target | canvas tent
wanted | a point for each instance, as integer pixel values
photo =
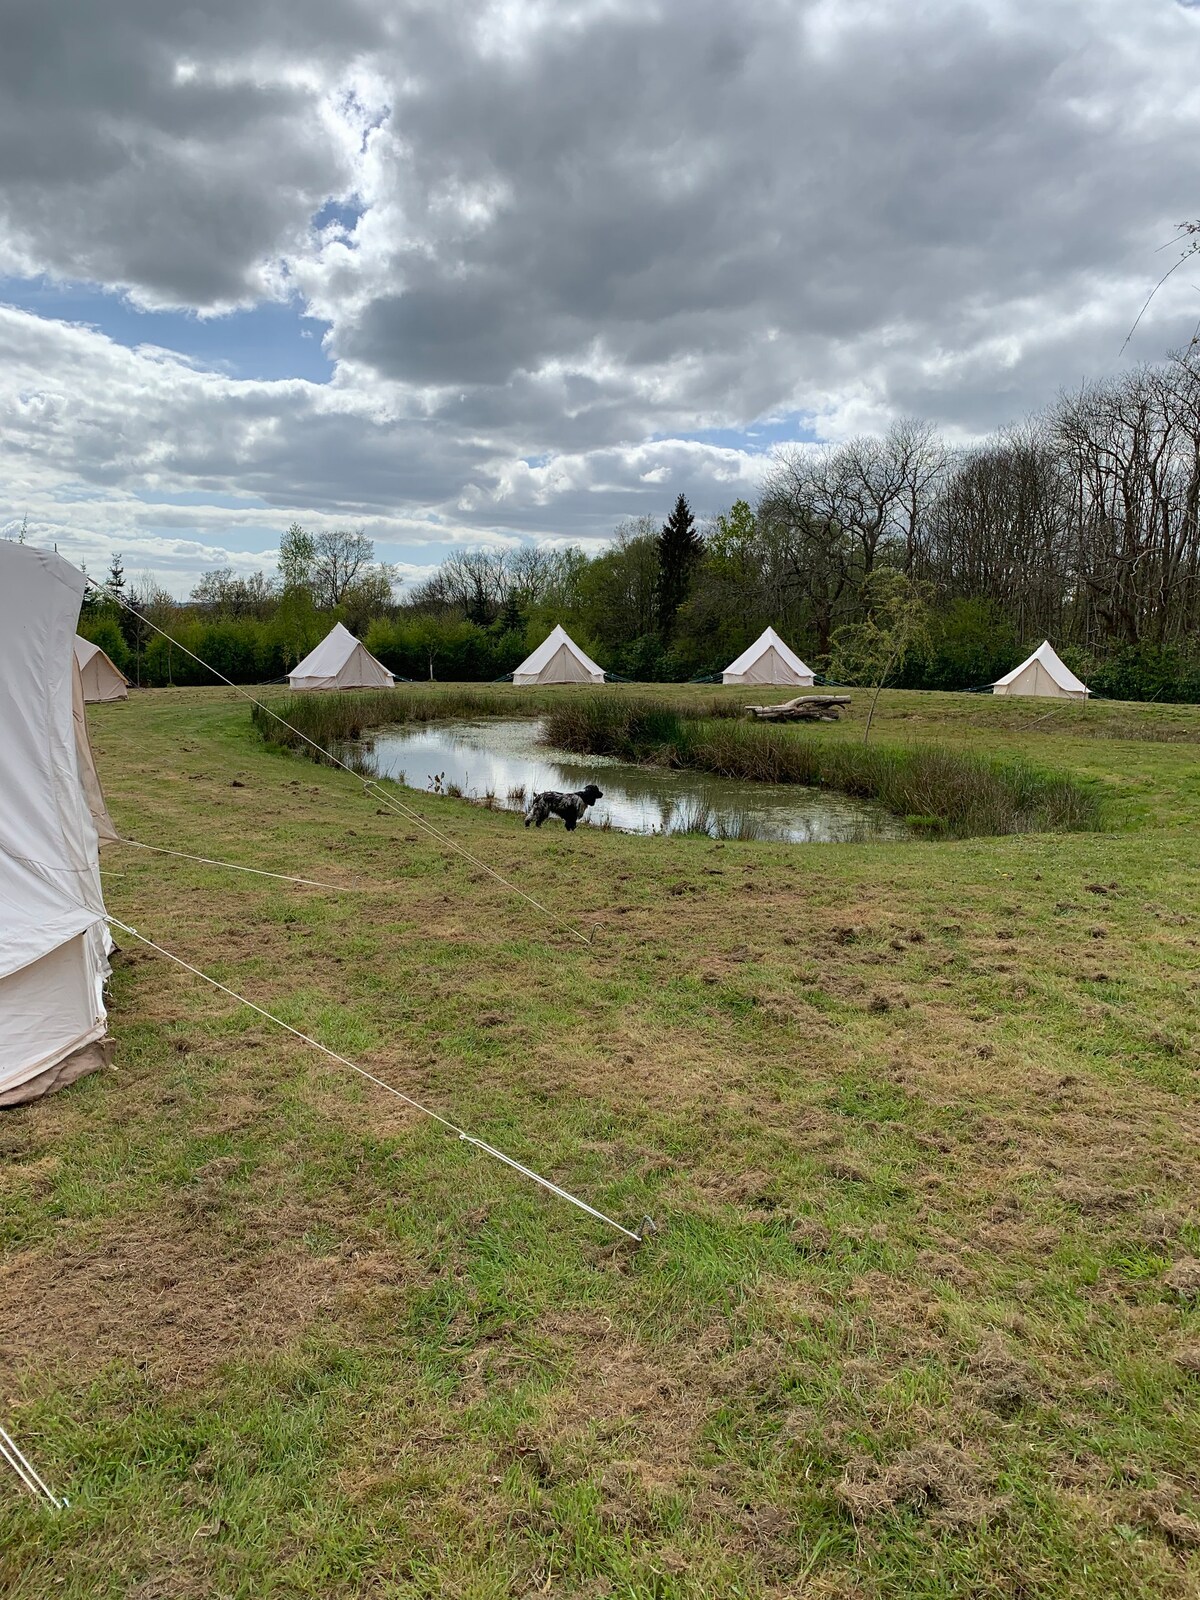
(54, 939)
(558, 659)
(1043, 674)
(340, 662)
(768, 660)
(101, 680)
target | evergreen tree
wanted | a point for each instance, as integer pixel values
(511, 620)
(679, 551)
(115, 583)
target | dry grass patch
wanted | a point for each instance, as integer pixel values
(168, 1299)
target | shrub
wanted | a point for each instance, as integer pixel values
(1144, 672)
(969, 644)
(104, 631)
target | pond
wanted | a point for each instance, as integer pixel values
(506, 760)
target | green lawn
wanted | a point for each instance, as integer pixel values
(918, 1123)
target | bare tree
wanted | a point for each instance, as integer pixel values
(338, 559)
(226, 595)
(808, 559)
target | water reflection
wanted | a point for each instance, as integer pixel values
(504, 759)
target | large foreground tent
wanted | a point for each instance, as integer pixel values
(340, 661)
(54, 938)
(768, 660)
(558, 659)
(1043, 674)
(100, 679)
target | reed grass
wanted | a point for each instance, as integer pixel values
(699, 819)
(954, 794)
(334, 719)
(957, 795)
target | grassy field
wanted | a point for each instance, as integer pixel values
(918, 1123)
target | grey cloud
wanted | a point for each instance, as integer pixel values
(443, 333)
(170, 149)
(615, 223)
(668, 188)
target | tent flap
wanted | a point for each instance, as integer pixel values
(53, 927)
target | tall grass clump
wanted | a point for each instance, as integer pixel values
(333, 719)
(957, 794)
(630, 729)
(698, 819)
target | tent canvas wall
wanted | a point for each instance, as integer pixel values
(53, 931)
(1043, 674)
(768, 660)
(558, 659)
(340, 662)
(100, 679)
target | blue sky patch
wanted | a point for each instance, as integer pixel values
(762, 436)
(269, 341)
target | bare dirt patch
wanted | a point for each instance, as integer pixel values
(1159, 1508)
(165, 1299)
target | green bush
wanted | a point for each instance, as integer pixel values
(104, 630)
(969, 644)
(1144, 672)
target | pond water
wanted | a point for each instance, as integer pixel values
(505, 759)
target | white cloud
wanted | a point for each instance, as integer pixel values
(565, 230)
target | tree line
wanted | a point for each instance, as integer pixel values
(1081, 525)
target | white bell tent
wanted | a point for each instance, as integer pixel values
(340, 661)
(768, 660)
(101, 680)
(558, 659)
(1043, 674)
(54, 939)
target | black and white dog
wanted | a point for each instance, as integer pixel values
(570, 807)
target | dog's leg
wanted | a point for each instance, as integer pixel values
(569, 822)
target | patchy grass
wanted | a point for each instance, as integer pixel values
(918, 1122)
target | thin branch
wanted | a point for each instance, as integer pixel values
(1186, 256)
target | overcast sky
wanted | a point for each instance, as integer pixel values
(470, 273)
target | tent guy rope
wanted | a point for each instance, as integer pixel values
(26, 1472)
(396, 804)
(451, 1127)
(234, 866)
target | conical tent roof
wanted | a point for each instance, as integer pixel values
(101, 680)
(1042, 674)
(340, 661)
(53, 929)
(768, 660)
(558, 659)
